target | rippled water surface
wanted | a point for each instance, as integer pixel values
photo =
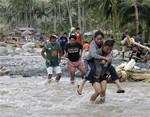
(31, 97)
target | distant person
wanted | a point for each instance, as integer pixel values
(99, 80)
(138, 37)
(53, 58)
(78, 35)
(63, 40)
(124, 41)
(73, 52)
(89, 38)
(46, 41)
(39, 38)
(72, 32)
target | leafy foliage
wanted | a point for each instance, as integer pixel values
(53, 15)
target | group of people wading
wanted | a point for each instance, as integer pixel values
(93, 60)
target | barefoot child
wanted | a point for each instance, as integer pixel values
(53, 58)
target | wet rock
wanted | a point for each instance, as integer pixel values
(28, 47)
(3, 44)
(3, 51)
(37, 50)
(16, 51)
(115, 53)
(10, 49)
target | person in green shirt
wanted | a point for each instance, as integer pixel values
(53, 58)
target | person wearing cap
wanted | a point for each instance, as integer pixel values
(53, 58)
(73, 52)
(94, 45)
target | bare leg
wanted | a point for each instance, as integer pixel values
(80, 88)
(72, 75)
(97, 89)
(117, 82)
(103, 91)
(49, 78)
(58, 77)
(120, 90)
(103, 88)
(82, 70)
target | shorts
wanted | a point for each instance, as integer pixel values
(76, 64)
(56, 69)
(99, 80)
(113, 73)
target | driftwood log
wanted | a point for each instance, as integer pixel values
(125, 70)
(138, 44)
(126, 73)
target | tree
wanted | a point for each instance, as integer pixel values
(136, 11)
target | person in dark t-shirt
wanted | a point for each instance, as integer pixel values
(73, 53)
(63, 40)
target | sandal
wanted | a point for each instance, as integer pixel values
(121, 91)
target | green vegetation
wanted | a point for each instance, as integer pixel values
(58, 16)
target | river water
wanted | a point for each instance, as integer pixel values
(31, 97)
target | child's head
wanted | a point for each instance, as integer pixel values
(108, 46)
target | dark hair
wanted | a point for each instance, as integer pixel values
(99, 33)
(77, 28)
(140, 32)
(72, 36)
(109, 43)
(52, 37)
(65, 33)
(112, 36)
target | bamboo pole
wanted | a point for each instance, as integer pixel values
(136, 43)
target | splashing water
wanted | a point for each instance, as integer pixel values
(31, 97)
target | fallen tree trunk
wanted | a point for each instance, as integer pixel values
(138, 44)
(136, 76)
(131, 75)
